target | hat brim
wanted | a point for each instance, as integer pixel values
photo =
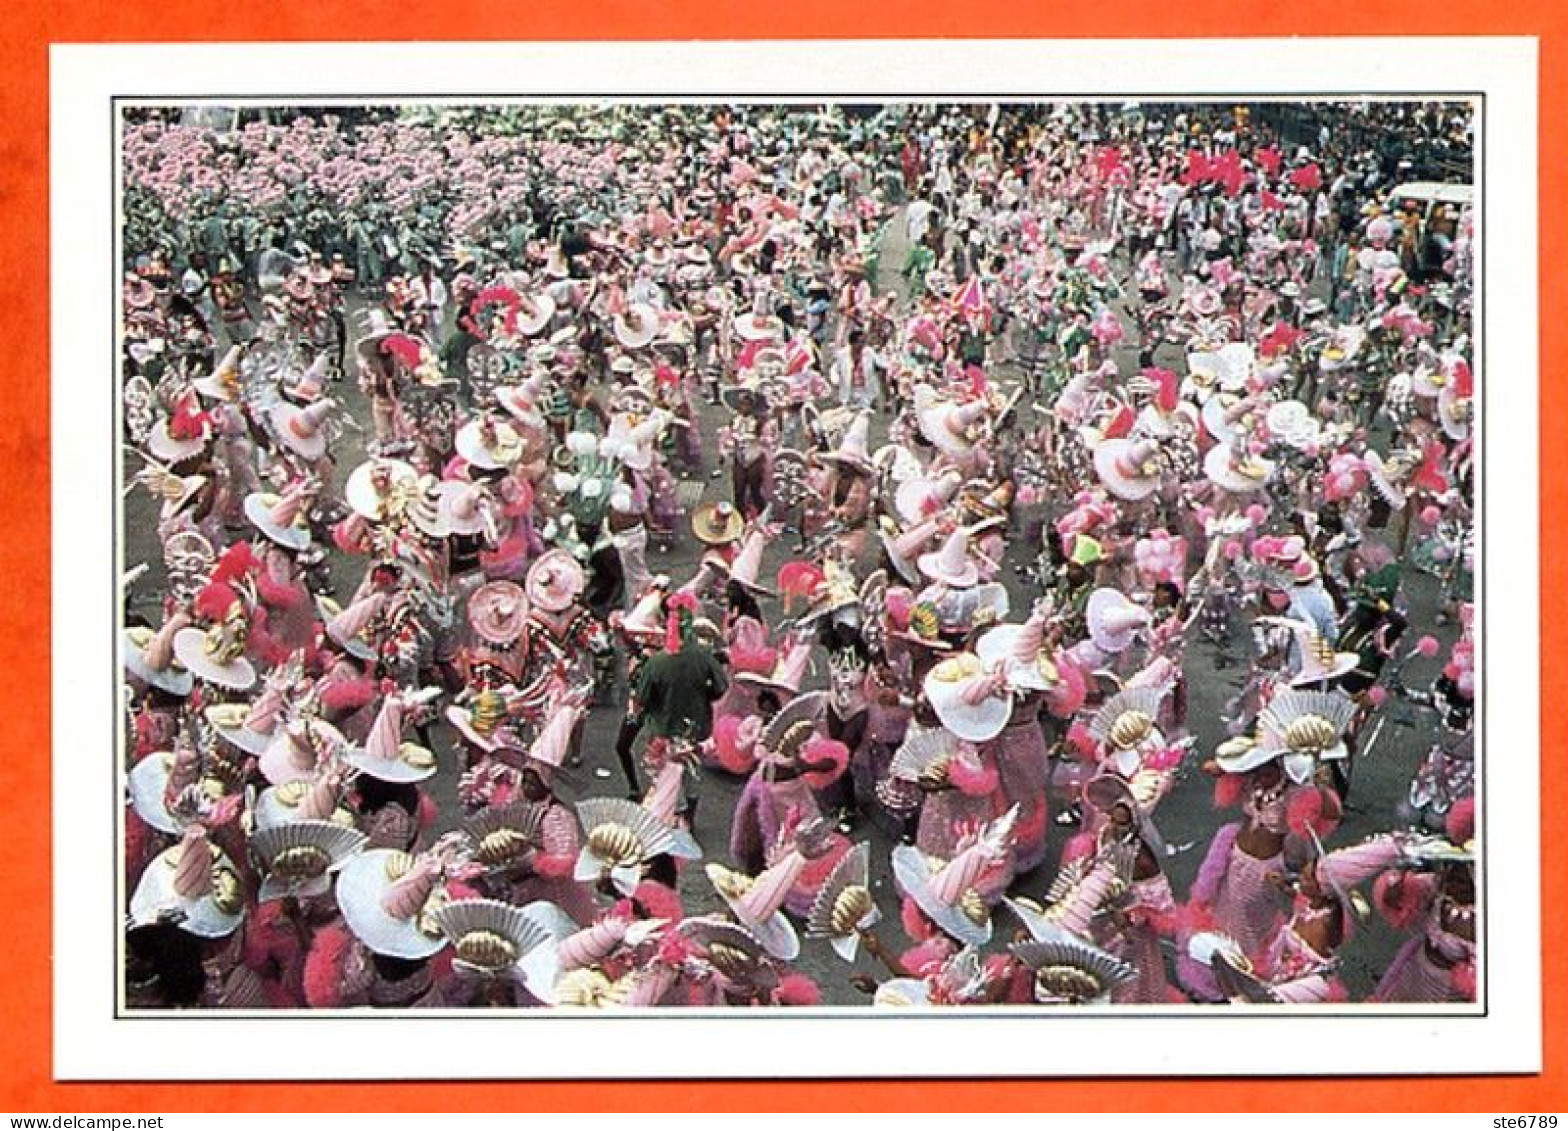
(998, 646)
(170, 450)
(147, 783)
(1101, 603)
(270, 811)
(276, 762)
(979, 722)
(360, 885)
(471, 447)
(1344, 663)
(155, 897)
(394, 770)
(931, 566)
(913, 875)
(359, 649)
(776, 933)
(752, 329)
(311, 447)
(361, 493)
(1217, 466)
(174, 681)
(258, 510)
(1122, 486)
(544, 312)
(237, 675)
(460, 719)
(242, 737)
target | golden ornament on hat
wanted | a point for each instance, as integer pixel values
(486, 950)
(585, 987)
(427, 921)
(229, 716)
(973, 907)
(227, 895)
(1070, 982)
(616, 844)
(729, 883)
(850, 909)
(1311, 732)
(502, 847)
(301, 862)
(924, 622)
(416, 755)
(398, 865)
(1129, 729)
(487, 712)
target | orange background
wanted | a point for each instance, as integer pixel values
(26, 29)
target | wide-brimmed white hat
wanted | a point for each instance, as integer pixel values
(1239, 474)
(945, 890)
(1344, 344)
(298, 749)
(379, 489)
(1019, 650)
(1130, 469)
(489, 443)
(1113, 620)
(385, 756)
(151, 658)
(303, 430)
(1226, 416)
(946, 424)
(952, 565)
(351, 628)
(216, 656)
(970, 699)
(758, 902)
(637, 326)
(758, 328)
(464, 507)
(192, 884)
(249, 726)
(282, 518)
(387, 897)
(916, 499)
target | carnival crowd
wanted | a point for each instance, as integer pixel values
(997, 431)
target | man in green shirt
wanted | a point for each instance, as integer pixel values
(676, 690)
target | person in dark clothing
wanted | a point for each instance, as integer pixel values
(675, 689)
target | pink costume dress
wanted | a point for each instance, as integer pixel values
(554, 859)
(1437, 965)
(1151, 914)
(948, 815)
(887, 720)
(1234, 889)
(1023, 764)
(1298, 973)
(761, 811)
